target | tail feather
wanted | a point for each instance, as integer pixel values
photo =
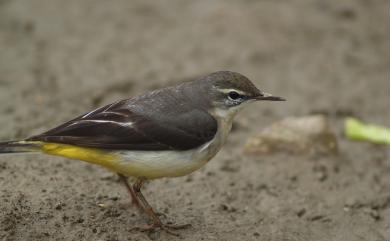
(18, 147)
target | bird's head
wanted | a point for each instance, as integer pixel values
(228, 92)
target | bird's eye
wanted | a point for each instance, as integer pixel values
(234, 95)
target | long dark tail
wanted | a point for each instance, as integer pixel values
(18, 147)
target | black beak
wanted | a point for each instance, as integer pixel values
(266, 96)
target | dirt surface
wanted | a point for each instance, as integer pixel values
(59, 59)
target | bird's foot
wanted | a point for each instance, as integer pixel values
(164, 227)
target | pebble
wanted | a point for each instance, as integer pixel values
(295, 135)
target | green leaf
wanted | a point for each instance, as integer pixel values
(358, 131)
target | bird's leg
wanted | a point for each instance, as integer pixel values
(134, 200)
(153, 216)
(147, 208)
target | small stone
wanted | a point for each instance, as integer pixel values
(80, 220)
(114, 198)
(102, 205)
(295, 135)
(224, 207)
(373, 213)
(58, 206)
(351, 202)
(300, 212)
(321, 176)
(227, 208)
(316, 217)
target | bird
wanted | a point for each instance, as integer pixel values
(168, 132)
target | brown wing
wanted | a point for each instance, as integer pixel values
(118, 126)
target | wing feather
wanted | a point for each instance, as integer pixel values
(119, 127)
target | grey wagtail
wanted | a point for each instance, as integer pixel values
(168, 132)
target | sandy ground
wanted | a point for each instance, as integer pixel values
(59, 59)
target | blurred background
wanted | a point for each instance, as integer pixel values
(59, 59)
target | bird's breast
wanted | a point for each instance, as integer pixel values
(210, 149)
